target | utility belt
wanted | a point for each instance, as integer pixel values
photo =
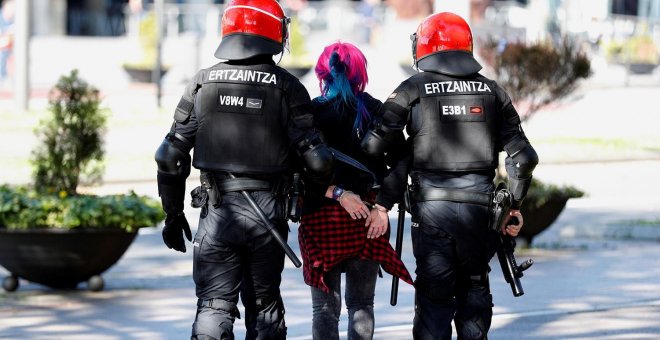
(214, 186)
(455, 195)
(498, 202)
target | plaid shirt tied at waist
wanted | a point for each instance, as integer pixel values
(329, 235)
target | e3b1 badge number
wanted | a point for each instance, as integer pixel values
(460, 110)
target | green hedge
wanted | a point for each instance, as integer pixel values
(540, 192)
(24, 208)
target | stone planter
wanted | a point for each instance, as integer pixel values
(59, 258)
(142, 75)
(540, 217)
(641, 68)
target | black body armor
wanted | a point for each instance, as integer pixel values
(458, 124)
(242, 120)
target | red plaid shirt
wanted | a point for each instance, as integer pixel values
(329, 235)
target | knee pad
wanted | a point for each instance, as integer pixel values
(477, 296)
(268, 322)
(436, 293)
(475, 313)
(215, 320)
(270, 309)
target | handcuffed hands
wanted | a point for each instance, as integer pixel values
(377, 222)
(512, 229)
(353, 205)
(175, 227)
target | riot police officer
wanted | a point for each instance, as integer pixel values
(457, 121)
(243, 117)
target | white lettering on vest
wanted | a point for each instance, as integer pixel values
(456, 86)
(231, 100)
(243, 76)
(449, 110)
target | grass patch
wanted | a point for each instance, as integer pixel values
(651, 144)
(637, 222)
(595, 148)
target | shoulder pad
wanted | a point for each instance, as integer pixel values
(183, 110)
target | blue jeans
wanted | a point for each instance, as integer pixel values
(360, 286)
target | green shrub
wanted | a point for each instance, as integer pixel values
(72, 139)
(24, 208)
(72, 147)
(539, 193)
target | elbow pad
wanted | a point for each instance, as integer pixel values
(316, 155)
(525, 161)
(520, 168)
(171, 160)
(377, 141)
(173, 169)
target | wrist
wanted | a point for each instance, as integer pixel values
(380, 208)
(337, 193)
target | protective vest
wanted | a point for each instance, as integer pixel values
(242, 120)
(457, 125)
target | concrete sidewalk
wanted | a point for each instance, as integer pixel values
(149, 294)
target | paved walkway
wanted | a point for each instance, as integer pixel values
(570, 292)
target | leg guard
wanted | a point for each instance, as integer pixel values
(436, 280)
(266, 322)
(475, 309)
(215, 320)
(434, 311)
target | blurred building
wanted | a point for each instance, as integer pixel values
(113, 17)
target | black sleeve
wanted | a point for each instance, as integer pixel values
(301, 122)
(394, 184)
(521, 158)
(303, 135)
(173, 155)
(185, 115)
(395, 111)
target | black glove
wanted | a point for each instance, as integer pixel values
(174, 225)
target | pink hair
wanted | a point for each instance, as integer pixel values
(349, 55)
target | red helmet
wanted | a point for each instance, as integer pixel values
(252, 27)
(443, 43)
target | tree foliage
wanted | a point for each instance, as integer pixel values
(71, 146)
(536, 74)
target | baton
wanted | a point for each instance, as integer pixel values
(397, 248)
(270, 227)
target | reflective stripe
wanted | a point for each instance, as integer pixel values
(256, 9)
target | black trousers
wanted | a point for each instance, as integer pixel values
(234, 254)
(452, 248)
